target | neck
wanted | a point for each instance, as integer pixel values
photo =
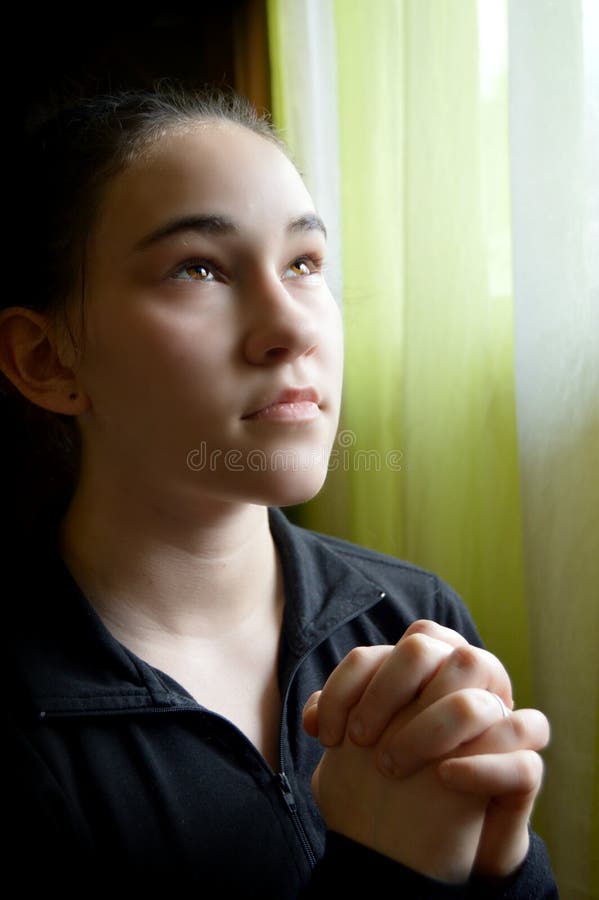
(208, 573)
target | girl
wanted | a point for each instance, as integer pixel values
(204, 695)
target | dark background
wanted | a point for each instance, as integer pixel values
(50, 57)
(92, 49)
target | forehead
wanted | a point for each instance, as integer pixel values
(218, 168)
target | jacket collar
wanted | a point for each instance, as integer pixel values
(323, 589)
(68, 663)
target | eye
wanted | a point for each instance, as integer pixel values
(194, 270)
(302, 266)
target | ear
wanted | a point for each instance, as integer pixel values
(30, 358)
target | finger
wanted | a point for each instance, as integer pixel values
(310, 714)
(518, 773)
(315, 783)
(469, 666)
(343, 689)
(524, 729)
(437, 731)
(402, 675)
(434, 630)
(505, 839)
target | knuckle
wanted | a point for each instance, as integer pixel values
(530, 728)
(326, 708)
(519, 728)
(357, 657)
(466, 659)
(420, 626)
(415, 647)
(464, 705)
(328, 699)
(530, 770)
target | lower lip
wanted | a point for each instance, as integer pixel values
(302, 411)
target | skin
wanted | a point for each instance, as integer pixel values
(181, 341)
(427, 705)
(173, 356)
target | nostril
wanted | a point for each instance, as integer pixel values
(279, 339)
(277, 352)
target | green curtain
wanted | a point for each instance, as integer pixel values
(426, 457)
(453, 448)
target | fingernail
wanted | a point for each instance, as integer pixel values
(357, 730)
(387, 764)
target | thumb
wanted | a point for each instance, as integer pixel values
(316, 782)
(310, 714)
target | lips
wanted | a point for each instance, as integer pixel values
(291, 404)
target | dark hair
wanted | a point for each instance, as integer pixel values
(68, 156)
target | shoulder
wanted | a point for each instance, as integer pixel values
(425, 593)
(408, 590)
(376, 564)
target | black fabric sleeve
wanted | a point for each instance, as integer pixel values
(47, 845)
(349, 869)
(534, 878)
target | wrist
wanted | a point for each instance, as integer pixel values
(350, 868)
(503, 857)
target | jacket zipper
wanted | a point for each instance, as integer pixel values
(282, 779)
(292, 807)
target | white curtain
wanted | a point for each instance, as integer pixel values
(302, 42)
(554, 128)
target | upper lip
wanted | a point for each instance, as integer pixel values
(307, 394)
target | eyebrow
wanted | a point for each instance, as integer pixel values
(213, 224)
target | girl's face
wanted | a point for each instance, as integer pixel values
(213, 351)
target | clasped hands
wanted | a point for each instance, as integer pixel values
(421, 762)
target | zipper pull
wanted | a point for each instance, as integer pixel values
(287, 792)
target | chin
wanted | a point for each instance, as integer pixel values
(289, 488)
(282, 482)
(277, 479)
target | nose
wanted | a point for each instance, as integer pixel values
(282, 326)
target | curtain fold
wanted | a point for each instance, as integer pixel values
(555, 153)
(466, 134)
(462, 501)
(371, 160)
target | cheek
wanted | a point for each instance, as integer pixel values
(334, 339)
(154, 361)
(161, 334)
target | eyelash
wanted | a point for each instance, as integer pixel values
(203, 263)
(314, 263)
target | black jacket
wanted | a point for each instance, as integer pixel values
(119, 779)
